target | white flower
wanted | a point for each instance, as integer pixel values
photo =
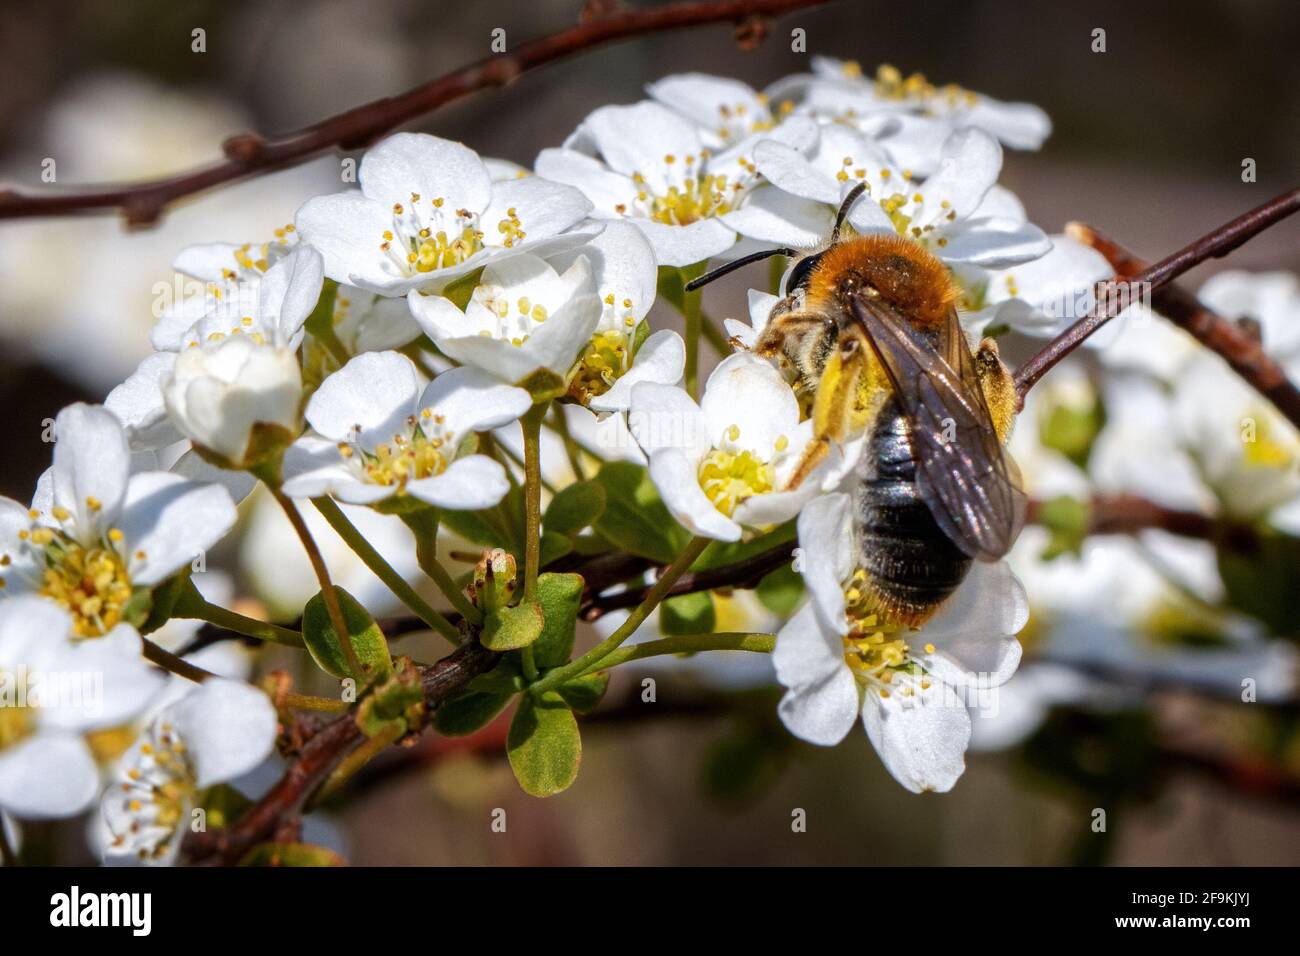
(837, 91)
(649, 165)
(266, 302)
(54, 690)
(1041, 297)
(947, 213)
(524, 316)
(1270, 298)
(838, 661)
(428, 212)
(721, 466)
(1244, 449)
(726, 111)
(379, 435)
(96, 534)
(234, 398)
(219, 731)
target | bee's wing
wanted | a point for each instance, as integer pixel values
(965, 478)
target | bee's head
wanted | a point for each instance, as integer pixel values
(901, 271)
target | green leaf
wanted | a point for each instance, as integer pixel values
(559, 595)
(321, 321)
(544, 745)
(634, 518)
(291, 854)
(553, 547)
(688, 614)
(1066, 520)
(479, 527)
(467, 713)
(367, 639)
(224, 805)
(575, 507)
(510, 628)
(781, 591)
(584, 693)
(1263, 581)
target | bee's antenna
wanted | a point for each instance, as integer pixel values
(845, 206)
(735, 264)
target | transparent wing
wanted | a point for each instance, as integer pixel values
(964, 476)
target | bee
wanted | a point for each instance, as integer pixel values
(869, 323)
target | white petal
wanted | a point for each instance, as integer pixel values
(686, 245)
(921, 739)
(544, 208)
(47, 775)
(238, 484)
(623, 264)
(968, 167)
(773, 215)
(376, 390)
(750, 395)
(607, 189)
(827, 546)
(822, 701)
(469, 484)
(474, 401)
(675, 477)
(346, 229)
(637, 138)
(228, 727)
(433, 167)
(994, 243)
(91, 463)
(171, 521)
(791, 171)
(138, 403)
(664, 416)
(289, 291)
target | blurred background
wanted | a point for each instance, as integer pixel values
(1148, 145)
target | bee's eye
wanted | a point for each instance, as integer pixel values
(801, 273)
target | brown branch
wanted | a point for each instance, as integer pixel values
(1114, 295)
(322, 752)
(1239, 347)
(1130, 514)
(249, 154)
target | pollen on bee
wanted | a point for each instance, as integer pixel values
(901, 270)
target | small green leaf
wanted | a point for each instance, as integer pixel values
(688, 614)
(553, 547)
(575, 507)
(560, 596)
(467, 713)
(479, 527)
(634, 518)
(1066, 520)
(584, 693)
(781, 591)
(291, 854)
(510, 628)
(224, 805)
(544, 745)
(367, 639)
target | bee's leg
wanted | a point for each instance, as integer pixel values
(998, 386)
(835, 405)
(771, 340)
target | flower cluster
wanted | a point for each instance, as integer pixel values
(426, 357)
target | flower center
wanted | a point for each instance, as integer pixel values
(426, 235)
(729, 477)
(420, 453)
(696, 195)
(890, 84)
(91, 583)
(515, 320)
(873, 649)
(602, 363)
(1265, 451)
(157, 794)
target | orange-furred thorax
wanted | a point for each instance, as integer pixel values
(907, 276)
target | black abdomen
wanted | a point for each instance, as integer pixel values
(911, 565)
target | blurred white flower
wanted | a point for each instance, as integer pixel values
(428, 212)
(54, 690)
(219, 731)
(379, 434)
(721, 466)
(1270, 298)
(837, 91)
(96, 535)
(838, 661)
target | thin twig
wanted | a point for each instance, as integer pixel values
(1114, 295)
(249, 154)
(1243, 351)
